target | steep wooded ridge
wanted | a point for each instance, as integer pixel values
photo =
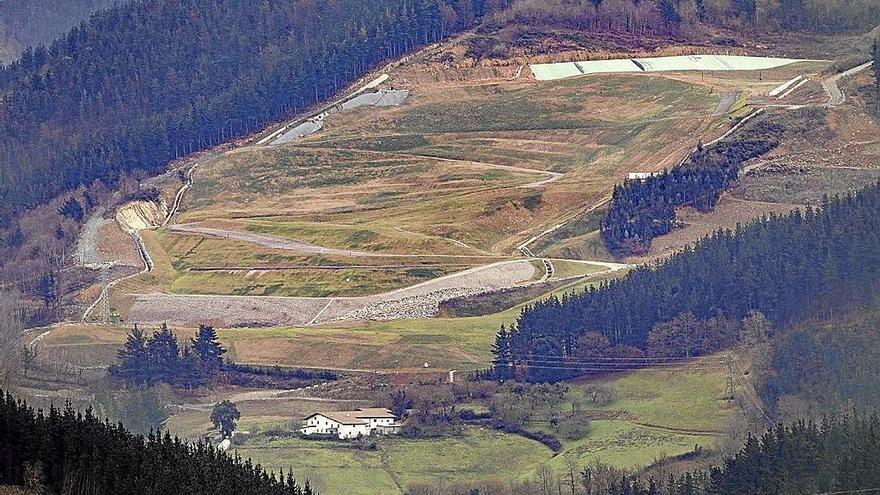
(825, 367)
(28, 23)
(802, 264)
(144, 83)
(63, 451)
(837, 456)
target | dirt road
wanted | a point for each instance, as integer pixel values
(726, 102)
(836, 96)
(550, 177)
(270, 241)
(105, 291)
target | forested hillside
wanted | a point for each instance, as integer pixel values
(644, 209)
(667, 15)
(825, 366)
(805, 263)
(838, 456)
(69, 452)
(142, 84)
(25, 23)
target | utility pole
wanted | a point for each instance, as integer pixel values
(105, 293)
(731, 385)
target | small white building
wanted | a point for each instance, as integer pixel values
(643, 175)
(351, 424)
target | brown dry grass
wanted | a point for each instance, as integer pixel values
(823, 152)
(593, 129)
(696, 225)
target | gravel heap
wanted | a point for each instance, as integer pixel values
(420, 306)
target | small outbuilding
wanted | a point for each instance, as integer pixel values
(352, 424)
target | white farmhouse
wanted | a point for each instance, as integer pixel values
(351, 424)
(643, 175)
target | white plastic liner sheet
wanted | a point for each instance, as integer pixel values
(548, 72)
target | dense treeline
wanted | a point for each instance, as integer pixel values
(26, 23)
(670, 16)
(148, 361)
(837, 455)
(624, 16)
(160, 359)
(143, 83)
(643, 209)
(815, 15)
(786, 267)
(68, 452)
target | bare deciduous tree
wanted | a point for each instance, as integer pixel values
(10, 338)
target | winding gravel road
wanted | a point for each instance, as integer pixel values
(836, 96)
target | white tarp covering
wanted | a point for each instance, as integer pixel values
(384, 98)
(600, 66)
(547, 72)
(390, 98)
(308, 127)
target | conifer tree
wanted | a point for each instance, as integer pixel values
(72, 209)
(502, 363)
(191, 371)
(207, 348)
(133, 364)
(163, 354)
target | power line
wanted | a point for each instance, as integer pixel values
(718, 362)
(755, 401)
(582, 368)
(622, 365)
(675, 359)
(863, 490)
(729, 364)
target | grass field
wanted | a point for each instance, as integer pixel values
(627, 445)
(679, 400)
(565, 269)
(473, 456)
(654, 415)
(444, 343)
(340, 469)
(191, 264)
